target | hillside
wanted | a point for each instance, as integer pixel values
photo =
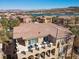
(69, 10)
(58, 10)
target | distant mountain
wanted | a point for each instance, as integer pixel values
(58, 10)
(71, 10)
(73, 7)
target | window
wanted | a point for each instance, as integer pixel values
(37, 56)
(48, 53)
(58, 45)
(23, 52)
(31, 57)
(52, 58)
(24, 58)
(43, 55)
(21, 41)
(46, 39)
(53, 51)
(62, 42)
(33, 41)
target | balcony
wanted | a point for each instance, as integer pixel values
(43, 55)
(30, 48)
(36, 48)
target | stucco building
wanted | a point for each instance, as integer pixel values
(42, 41)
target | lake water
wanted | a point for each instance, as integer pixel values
(55, 14)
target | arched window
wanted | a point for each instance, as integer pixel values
(43, 54)
(58, 45)
(53, 51)
(31, 57)
(24, 58)
(37, 56)
(48, 53)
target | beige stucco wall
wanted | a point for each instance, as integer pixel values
(1, 56)
(24, 48)
(48, 19)
(40, 39)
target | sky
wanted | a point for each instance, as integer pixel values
(37, 4)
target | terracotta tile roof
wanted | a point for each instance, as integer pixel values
(33, 30)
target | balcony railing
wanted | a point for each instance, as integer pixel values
(36, 46)
(30, 48)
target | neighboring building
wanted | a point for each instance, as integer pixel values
(67, 20)
(44, 19)
(70, 19)
(48, 19)
(42, 41)
(60, 20)
(27, 19)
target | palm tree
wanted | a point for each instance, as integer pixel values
(3, 37)
(75, 31)
(4, 22)
(34, 19)
(11, 25)
(6, 35)
(8, 27)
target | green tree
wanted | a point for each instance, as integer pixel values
(3, 37)
(8, 27)
(54, 19)
(34, 18)
(4, 22)
(13, 23)
(75, 31)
